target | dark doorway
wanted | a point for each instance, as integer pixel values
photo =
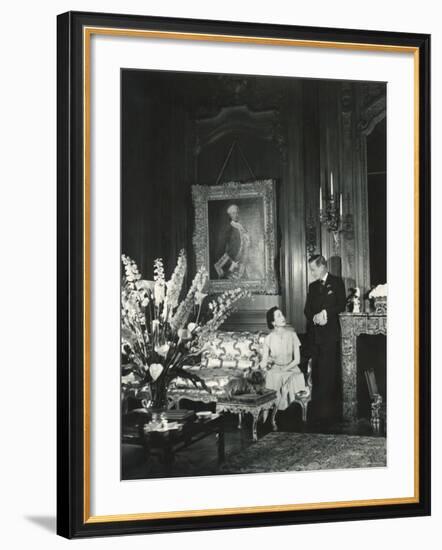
(377, 202)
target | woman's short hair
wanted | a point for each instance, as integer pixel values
(270, 316)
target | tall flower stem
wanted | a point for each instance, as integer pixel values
(198, 316)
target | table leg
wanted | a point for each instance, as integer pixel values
(274, 411)
(255, 424)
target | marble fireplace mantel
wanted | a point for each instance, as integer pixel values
(352, 325)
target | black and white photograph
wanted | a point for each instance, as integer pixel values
(253, 274)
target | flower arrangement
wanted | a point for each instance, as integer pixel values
(379, 291)
(160, 334)
(379, 296)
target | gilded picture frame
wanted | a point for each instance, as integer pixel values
(75, 514)
(256, 204)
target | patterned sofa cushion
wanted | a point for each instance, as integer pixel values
(229, 355)
(233, 350)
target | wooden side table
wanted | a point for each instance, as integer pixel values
(254, 404)
(167, 444)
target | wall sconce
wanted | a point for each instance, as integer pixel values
(331, 215)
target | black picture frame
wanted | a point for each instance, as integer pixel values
(73, 518)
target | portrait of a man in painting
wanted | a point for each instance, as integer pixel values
(236, 239)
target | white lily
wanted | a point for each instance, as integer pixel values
(155, 370)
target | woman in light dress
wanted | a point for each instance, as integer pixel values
(281, 358)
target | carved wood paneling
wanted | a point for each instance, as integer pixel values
(241, 124)
(312, 167)
(347, 118)
(292, 207)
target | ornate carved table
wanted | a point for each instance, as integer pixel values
(174, 397)
(254, 404)
(352, 325)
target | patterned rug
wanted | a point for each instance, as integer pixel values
(284, 451)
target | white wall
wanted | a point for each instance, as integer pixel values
(27, 218)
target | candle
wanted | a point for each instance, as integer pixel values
(320, 198)
(331, 182)
(340, 204)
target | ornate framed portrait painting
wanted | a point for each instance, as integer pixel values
(235, 235)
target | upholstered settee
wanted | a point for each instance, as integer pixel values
(228, 356)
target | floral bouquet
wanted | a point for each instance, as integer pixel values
(160, 333)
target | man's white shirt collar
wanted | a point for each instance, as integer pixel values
(324, 278)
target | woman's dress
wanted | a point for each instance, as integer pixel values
(280, 349)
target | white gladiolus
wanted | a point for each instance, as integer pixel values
(162, 350)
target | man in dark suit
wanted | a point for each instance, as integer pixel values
(325, 300)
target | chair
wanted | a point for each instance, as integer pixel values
(378, 415)
(304, 397)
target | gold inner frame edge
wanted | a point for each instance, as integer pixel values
(87, 33)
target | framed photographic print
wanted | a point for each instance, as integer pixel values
(243, 274)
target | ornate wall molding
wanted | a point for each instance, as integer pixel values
(347, 107)
(311, 230)
(372, 114)
(219, 91)
(352, 325)
(238, 119)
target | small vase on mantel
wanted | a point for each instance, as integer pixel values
(354, 300)
(380, 305)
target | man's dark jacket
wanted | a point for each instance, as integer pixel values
(231, 242)
(331, 297)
